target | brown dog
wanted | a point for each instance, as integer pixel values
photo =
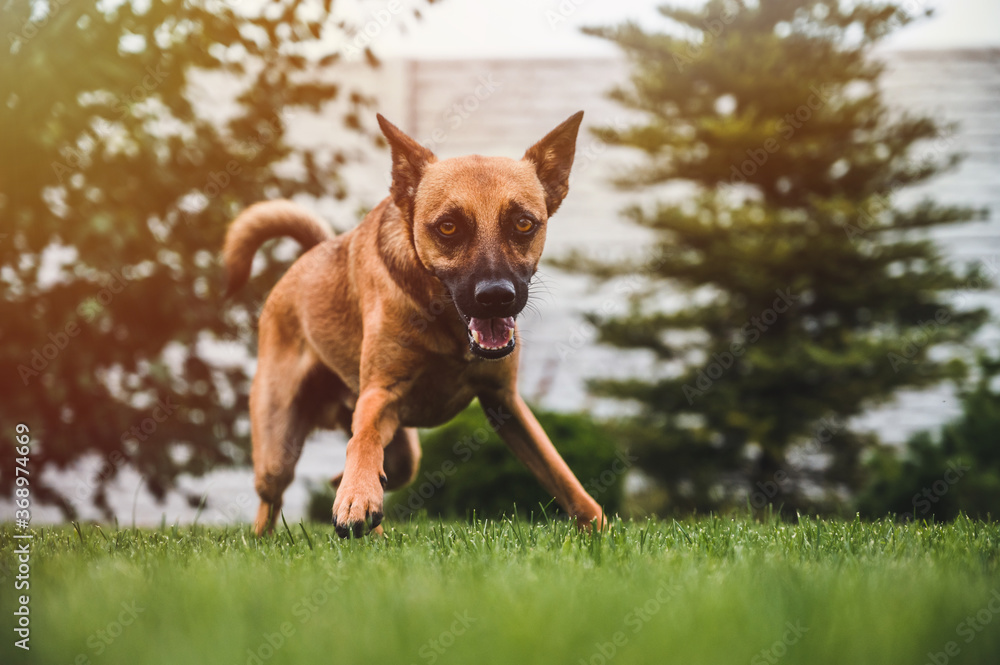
(402, 321)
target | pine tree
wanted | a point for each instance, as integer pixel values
(813, 296)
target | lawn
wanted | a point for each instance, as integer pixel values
(707, 590)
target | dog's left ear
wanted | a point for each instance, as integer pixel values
(409, 159)
(553, 159)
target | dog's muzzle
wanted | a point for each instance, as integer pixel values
(489, 306)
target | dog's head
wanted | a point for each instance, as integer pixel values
(478, 223)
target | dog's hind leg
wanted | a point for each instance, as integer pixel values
(288, 396)
(402, 458)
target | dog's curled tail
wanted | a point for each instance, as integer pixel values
(262, 222)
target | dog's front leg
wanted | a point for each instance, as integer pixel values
(519, 428)
(359, 496)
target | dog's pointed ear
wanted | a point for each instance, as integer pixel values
(409, 159)
(553, 159)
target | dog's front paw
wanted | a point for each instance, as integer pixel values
(358, 506)
(590, 521)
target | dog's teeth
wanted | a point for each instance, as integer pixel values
(477, 338)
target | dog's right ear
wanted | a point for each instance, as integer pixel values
(409, 159)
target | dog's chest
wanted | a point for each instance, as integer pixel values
(438, 395)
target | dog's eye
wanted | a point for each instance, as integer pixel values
(447, 228)
(524, 225)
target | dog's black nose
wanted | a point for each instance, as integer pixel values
(495, 293)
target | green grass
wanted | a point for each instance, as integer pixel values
(707, 590)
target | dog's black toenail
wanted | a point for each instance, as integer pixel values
(376, 518)
(341, 530)
(358, 529)
(382, 479)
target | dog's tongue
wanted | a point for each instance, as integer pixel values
(492, 333)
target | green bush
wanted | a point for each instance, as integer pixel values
(319, 508)
(466, 468)
(940, 476)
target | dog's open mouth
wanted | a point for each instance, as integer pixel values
(491, 338)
